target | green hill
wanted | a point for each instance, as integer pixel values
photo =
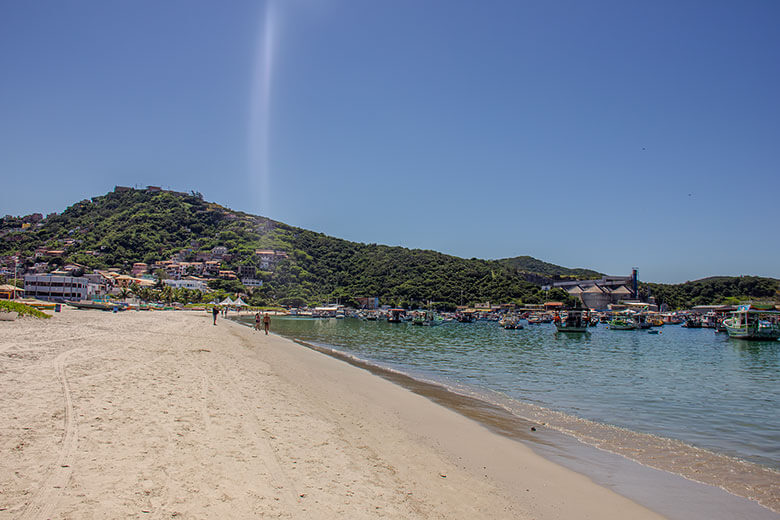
(530, 265)
(716, 290)
(123, 227)
(120, 228)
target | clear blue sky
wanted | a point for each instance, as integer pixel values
(603, 134)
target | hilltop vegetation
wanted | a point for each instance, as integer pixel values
(725, 290)
(120, 228)
(532, 266)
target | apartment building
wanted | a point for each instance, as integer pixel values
(55, 288)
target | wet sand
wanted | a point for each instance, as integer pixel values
(668, 476)
(163, 415)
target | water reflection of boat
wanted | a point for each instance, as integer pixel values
(748, 322)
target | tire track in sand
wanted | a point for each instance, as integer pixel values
(233, 399)
(9, 346)
(45, 499)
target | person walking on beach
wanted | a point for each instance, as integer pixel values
(257, 321)
(266, 323)
(215, 312)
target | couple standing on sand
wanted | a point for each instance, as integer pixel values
(266, 322)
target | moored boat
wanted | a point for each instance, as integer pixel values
(465, 317)
(534, 319)
(427, 319)
(671, 318)
(623, 321)
(574, 320)
(99, 305)
(692, 322)
(749, 322)
(511, 323)
(396, 315)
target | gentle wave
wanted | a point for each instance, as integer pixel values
(514, 417)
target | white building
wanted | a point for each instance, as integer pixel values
(196, 285)
(251, 282)
(267, 258)
(55, 288)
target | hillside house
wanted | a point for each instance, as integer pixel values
(246, 271)
(267, 258)
(211, 268)
(139, 268)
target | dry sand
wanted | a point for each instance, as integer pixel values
(163, 415)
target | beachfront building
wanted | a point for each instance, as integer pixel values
(595, 297)
(371, 303)
(188, 283)
(55, 288)
(600, 294)
(328, 311)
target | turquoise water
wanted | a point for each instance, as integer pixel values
(692, 385)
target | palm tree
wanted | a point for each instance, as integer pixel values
(167, 293)
(135, 289)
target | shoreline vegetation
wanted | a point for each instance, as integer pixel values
(22, 309)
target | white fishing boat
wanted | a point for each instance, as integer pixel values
(750, 322)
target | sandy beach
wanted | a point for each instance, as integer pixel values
(163, 415)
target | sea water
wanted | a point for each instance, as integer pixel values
(689, 401)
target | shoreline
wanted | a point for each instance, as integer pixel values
(592, 459)
(741, 478)
(163, 414)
